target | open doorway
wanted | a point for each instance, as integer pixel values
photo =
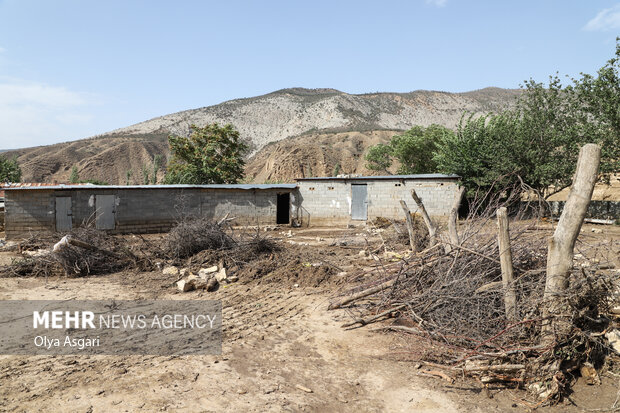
(283, 207)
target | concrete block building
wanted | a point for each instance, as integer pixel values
(141, 208)
(156, 208)
(340, 200)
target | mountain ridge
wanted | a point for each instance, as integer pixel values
(260, 120)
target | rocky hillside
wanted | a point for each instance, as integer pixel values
(264, 120)
(292, 112)
(314, 155)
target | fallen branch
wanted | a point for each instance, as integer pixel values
(364, 321)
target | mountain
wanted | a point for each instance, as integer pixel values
(261, 120)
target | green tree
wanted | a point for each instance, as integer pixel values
(413, 150)
(9, 170)
(537, 142)
(75, 176)
(599, 99)
(212, 154)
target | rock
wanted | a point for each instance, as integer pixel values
(233, 279)
(170, 270)
(362, 253)
(597, 230)
(205, 272)
(613, 337)
(184, 272)
(211, 284)
(303, 388)
(9, 246)
(185, 286)
(289, 233)
(221, 275)
(588, 372)
(342, 274)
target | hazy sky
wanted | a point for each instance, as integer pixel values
(73, 69)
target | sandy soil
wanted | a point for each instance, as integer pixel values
(276, 337)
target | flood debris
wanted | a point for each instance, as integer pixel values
(456, 311)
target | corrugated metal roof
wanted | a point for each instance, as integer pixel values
(381, 177)
(19, 185)
(213, 186)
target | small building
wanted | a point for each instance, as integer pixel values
(156, 208)
(340, 200)
(142, 208)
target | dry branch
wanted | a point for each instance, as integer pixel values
(409, 222)
(427, 220)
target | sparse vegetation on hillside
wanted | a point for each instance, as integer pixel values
(212, 154)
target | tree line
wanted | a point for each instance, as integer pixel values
(535, 143)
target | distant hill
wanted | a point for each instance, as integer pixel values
(261, 120)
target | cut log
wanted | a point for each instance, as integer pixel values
(505, 260)
(409, 221)
(562, 242)
(427, 220)
(362, 294)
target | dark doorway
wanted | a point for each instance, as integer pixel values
(282, 209)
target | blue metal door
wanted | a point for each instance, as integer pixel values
(359, 202)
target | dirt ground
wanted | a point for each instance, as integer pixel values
(278, 335)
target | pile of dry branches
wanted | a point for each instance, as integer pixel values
(194, 235)
(450, 301)
(82, 252)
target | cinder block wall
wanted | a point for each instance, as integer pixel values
(329, 202)
(142, 210)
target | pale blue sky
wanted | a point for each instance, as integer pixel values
(73, 69)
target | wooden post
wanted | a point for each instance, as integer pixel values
(403, 204)
(505, 260)
(429, 224)
(562, 242)
(454, 212)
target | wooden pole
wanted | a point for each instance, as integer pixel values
(562, 242)
(454, 212)
(505, 260)
(403, 204)
(429, 224)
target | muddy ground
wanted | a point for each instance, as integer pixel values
(278, 335)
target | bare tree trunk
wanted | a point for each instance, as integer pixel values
(429, 224)
(454, 212)
(403, 204)
(505, 260)
(562, 242)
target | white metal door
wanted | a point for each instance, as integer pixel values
(106, 210)
(64, 218)
(359, 202)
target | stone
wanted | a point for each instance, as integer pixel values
(212, 284)
(205, 272)
(184, 272)
(233, 279)
(588, 372)
(221, 275)
(185, 286)
(170, 270)
(362, 253)
(613, 337)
